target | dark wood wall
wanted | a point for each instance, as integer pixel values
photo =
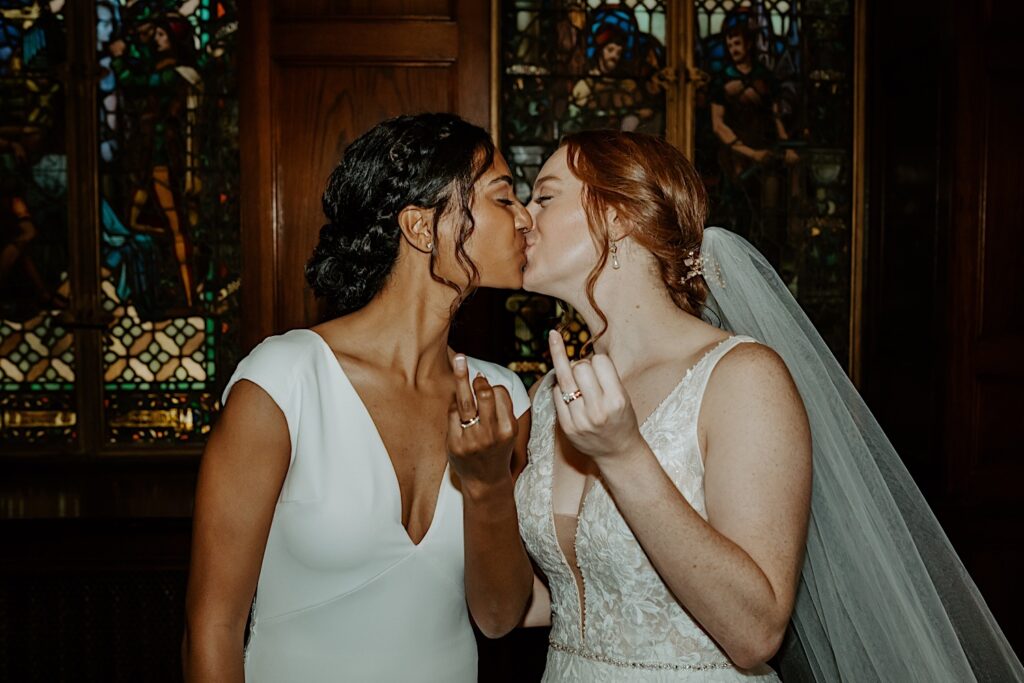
(944, 332)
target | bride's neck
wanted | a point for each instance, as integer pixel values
(644, 324)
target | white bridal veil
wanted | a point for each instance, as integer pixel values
(883, 595)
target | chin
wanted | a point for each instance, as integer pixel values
(530, 284)
(514, 281)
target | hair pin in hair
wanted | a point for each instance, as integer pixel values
(698, 266)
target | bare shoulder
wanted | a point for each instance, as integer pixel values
(250, 440)
(751, 384)
(751, 364)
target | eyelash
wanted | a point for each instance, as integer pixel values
(540, 200)
(507, 202)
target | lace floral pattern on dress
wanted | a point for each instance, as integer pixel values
(635, 630)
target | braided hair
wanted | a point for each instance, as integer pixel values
(430, 161)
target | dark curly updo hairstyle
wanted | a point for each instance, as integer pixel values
(430, 161)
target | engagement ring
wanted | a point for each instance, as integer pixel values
(569, 398)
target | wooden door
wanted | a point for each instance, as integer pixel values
(324, 72)
(985, 351)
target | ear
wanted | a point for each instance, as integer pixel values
(417, 228)
(616, 229)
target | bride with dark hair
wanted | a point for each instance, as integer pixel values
(359, 478)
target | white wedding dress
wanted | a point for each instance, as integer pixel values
(344, 594)
(626, 626)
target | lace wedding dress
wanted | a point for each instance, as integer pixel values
(616, 620)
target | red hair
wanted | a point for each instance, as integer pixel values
(656, 193)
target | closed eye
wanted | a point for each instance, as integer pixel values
(507, 202)
(540, 200)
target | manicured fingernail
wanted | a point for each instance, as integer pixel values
(460, 362)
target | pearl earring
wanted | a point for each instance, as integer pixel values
(430, 246)
(614, 249)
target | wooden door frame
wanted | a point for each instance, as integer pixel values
(258, 206)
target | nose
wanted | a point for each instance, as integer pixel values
(532, 208)
(524, 219)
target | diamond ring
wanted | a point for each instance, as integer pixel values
(570, 397)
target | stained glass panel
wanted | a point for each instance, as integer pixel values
(773, 141)
(169, 213)
(571, 65)
(37, 353)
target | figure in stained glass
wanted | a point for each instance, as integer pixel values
(31, 46)
(623, 82)
(161, 93)
(746, 117)
(17, 233)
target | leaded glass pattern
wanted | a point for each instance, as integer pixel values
(37, 355)
(169, 215)
(570, 65)
(773, 141)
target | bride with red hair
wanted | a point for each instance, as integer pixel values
(700, 498)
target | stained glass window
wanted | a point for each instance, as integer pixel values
(168, 213)
(163, 82)
(773, 125)
(571, 65)
(37, 351)
(773, 141)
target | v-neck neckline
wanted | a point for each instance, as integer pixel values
(587, 490)
(390, 463)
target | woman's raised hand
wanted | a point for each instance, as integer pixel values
(481, 431)
(594, 410)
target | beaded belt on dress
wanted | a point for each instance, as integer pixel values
(661, 666)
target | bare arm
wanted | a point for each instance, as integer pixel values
(736, 573)
(240, 477)
(498, 571)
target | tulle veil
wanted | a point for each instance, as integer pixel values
(883, 596)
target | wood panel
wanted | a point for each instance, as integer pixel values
(987, 246)
(319, 110)
(942, 316)
(985, 292)
(362, 40)
(325, 72)
(290, 9)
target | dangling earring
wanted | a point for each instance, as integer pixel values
(614, 249)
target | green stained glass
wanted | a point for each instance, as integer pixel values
(773, 141)
(566, 66)
(169, 212)
(37, 351)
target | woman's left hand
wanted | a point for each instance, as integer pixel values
(482, 430)
(600, 422)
